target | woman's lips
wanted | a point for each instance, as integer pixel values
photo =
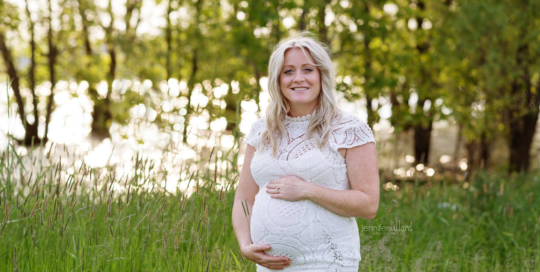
(299, 89)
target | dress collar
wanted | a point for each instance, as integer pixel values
(298, 119)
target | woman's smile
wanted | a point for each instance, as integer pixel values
(299, 89)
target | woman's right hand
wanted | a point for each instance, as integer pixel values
(256, 254)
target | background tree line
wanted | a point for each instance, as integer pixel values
(474, 62)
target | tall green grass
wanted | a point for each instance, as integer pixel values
(493, 224)
(56, 221)
(53, 220)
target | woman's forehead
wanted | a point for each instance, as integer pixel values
(297, 56)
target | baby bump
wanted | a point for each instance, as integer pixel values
(278, 217)
(281, 224)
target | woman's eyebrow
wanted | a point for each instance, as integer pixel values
(301, 65)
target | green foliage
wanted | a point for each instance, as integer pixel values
(10, 18)
(474, 63)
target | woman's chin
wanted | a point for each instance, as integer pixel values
(302, 102)
(300, 98)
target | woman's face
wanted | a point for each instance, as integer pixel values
(299, 80)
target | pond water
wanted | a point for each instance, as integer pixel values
(162, 146)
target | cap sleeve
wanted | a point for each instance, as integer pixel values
(351, 132)
(255, 132)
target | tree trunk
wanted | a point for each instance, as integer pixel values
(522, 127)
(32, 129)
(53, 53)
(85, 31)
(478, 152)
(485, 151)
(521, 136)
(323, 30)
(457, 147)
(371, 119)
(102, 115)
(131, 31)
(13, 76)
(168, 40)
(132, 5)
(372, 113)
(231, 111)
(422, 143)
(194, 68)
(422, 133)
(471, 147)
(400, 109)
(305, 10)
(190, 85)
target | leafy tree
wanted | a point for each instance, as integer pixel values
(418, 86)
(498, 42)
(55, 40)
(364, 54)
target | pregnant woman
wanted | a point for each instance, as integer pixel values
(309, 169)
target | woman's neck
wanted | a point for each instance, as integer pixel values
(301, 111)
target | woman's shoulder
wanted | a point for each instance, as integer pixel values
(350, 131)
(257, 128)
(345, 120)
(259, 123)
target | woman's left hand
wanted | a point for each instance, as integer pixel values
(291, 188)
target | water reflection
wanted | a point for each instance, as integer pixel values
(139, 150)
(152, 154)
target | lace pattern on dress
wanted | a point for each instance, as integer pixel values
(255, 132)
(315, 238)
(349, 132)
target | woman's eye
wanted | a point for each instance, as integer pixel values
(288, 71)
(308, 70)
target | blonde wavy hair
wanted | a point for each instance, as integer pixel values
(320, 125)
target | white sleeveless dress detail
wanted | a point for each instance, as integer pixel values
(314, 238)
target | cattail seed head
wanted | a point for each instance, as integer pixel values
(6, 209)
(184, 203)
(220, 193)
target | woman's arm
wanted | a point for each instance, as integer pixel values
(362, 200)
(245, 193)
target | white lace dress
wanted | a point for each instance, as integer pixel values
(314, 238)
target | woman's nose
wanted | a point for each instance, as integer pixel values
(299, 77)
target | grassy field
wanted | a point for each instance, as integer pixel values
(59, 216)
